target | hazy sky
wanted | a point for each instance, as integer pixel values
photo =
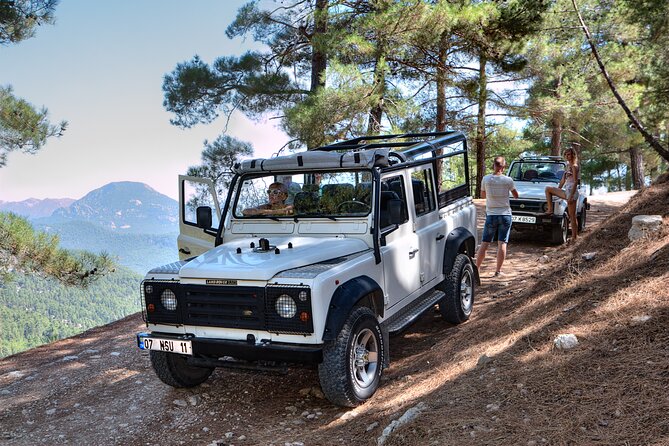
(100, 67)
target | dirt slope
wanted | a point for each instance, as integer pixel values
(98, 388)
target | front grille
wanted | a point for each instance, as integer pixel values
(229, 307)
(253, 308)
(533, 206)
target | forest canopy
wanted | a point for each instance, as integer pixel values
(516, 76)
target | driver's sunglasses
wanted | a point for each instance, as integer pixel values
(274, 191)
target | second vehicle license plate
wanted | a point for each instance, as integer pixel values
(523, 219)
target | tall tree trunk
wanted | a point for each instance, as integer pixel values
(318, 56)
(440, 125)
(556, 123)
(480, 125)
(650, 139)
(556, 133)
(376, 113)
(636, 167)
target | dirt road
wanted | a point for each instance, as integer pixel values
(99, 389)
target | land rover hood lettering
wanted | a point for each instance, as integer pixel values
(223, 262)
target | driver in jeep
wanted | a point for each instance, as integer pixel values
(277, 193)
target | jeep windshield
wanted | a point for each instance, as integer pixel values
(326, 194)
(537, 171)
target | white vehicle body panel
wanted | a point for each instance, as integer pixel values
(223, 262)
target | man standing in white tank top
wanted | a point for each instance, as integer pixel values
(495, 188)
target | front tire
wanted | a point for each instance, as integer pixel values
(581, 218)
(352, 364)
(456, 306)
(559, 233)
(174, 370)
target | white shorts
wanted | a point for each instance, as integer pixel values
(567, 192)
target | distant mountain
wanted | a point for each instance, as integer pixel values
(35, 208)
(124, 207)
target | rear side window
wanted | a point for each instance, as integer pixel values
(423, 191)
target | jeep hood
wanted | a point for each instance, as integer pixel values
(224, 261)
(528, 190)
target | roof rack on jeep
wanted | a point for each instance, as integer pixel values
(419, 142)
(541, 157)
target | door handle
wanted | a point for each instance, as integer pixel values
(440, 237)
(184, 251)
(412, 253)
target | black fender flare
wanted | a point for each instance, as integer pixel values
(459, 241)
(345, 297)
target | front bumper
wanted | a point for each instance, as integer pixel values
(542, 222)
(244, 350)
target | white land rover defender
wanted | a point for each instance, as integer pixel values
(373, 233)
(531, 176)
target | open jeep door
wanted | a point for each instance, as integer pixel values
(199, 216)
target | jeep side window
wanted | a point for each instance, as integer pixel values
(423, 191)
(453, 180)
(195, 195)
(392, 188)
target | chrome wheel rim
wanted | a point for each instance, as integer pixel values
(365, 357)
(466, 291)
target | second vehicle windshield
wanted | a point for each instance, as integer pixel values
(537, 171)
(326, 194)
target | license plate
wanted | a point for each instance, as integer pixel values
(523, 219)
(167, 345)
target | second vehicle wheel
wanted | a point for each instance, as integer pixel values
(456, 306)
(352, 364)
(174, 370)
(559, 233)
(581, 218)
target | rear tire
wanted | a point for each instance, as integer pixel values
(559, 233)
(352, 364)
(456, 305)
(174, 370)
(581, 218)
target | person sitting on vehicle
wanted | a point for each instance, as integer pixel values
(276, 205)
(570, 192)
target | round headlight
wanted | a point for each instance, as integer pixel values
(169, 300)
(285, 306)
(302, 296)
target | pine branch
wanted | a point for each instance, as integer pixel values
(650, 139)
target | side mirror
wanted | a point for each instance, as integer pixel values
(395, 207)
(203, 215)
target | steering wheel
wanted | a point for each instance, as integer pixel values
(353, 203)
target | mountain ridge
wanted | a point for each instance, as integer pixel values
(35, 207)
(123, 206)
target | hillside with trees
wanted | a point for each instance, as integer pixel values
(36, 310)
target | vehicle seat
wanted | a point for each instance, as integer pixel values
(559, 174)
(363, 193)
(306, 203)
(418, 196)
(530, 174)
(332, 195)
